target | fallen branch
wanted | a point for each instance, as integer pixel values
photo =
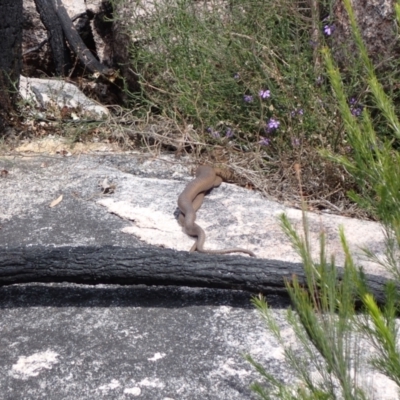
(152, 266)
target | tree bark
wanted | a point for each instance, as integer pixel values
(10, 57)
(112, 264)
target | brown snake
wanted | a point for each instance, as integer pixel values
(190, 200)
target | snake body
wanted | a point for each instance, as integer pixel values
(190, 200)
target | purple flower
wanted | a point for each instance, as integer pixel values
(248, 98)
(214, 134)
(329, 29)
(355, 108)
(229, 133)
(297, 111)
(236, 76)
(264, 94)
(264, 141)
(295, 142)
(272, 125)
(356, 111)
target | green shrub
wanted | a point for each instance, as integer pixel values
(206, 63)
(325, 320)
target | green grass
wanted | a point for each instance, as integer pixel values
(197, 64)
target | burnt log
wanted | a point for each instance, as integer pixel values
(77, 44)
(152, 266)
(61, 30)
(61, 53)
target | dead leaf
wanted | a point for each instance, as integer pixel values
(56, 201)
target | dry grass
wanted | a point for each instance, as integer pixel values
(324, 184)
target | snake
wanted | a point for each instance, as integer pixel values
(191, 199)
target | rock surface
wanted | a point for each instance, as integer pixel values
(145, 199)
(62, 340)
(55, 94)
(377, 25)
(108, 342)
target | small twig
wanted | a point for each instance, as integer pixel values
(36, 48)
